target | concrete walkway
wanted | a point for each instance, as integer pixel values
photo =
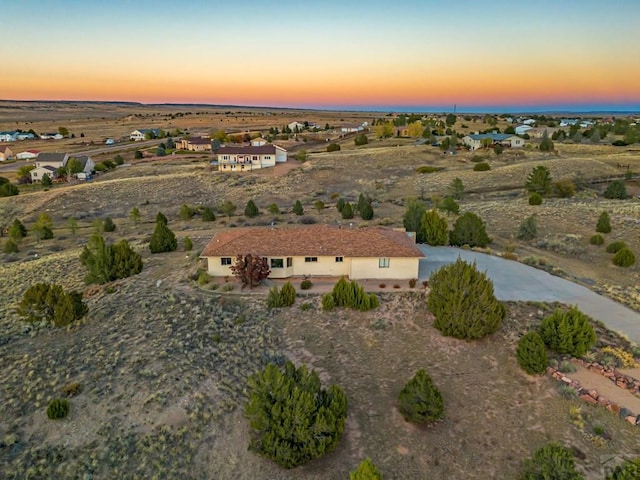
(516, 281)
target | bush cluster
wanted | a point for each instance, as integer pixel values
(428, 169)
(469, 229)
(629, 470)
(58, 408)
(463, 302)
(568, 332)
(350, 295)
(596, 239)
(106, 263)
(162, 239)
(624, 258)
(44, 302)
(552, 461)
(535, 199)
(616, 246)
(532, 353)
(284, 297)
(306, 284)
(481, 167)
(293, 419)
(604, 223)
(366, 471)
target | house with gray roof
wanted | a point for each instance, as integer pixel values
(480, 140)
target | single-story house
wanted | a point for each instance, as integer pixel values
(58, 160)
(522, 129)
(28, 155)
(479, 140)
(352, 128)
(529, 121)
(140, 134)
(51, 136)
(258, 142)
(568, 122)
(8, 136)
(39, 172)
(194, 144)
(296, 126)
(247, 158)
(5, 153)
(318, 250)
(25, 135)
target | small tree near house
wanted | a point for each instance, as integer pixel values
(250, 269)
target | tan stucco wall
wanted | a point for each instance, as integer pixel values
(399, 268)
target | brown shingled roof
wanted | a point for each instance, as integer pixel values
(248, 150)
(316, 240)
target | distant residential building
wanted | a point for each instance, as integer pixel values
(258, 142)
(38, 173)
(55, 161)
(296, 126)
(480, 140)
(529, 121)
(51, 136)
(568, 122)
(352, 128)
(5, 153)
(194, 144)
(28, 155)
(8, 136)
(109, 141)
(522, 129)
(140, 134)
(247, 158)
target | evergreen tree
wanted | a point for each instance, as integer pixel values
(297, 208)
(568, 332)
(616, 190)
(366, 211)
(366, 471)
(539, 181)
(49, 303)
(17, 231)
(160, 218)
(456, 189)
(108, 225)
(532, 354)
(188, 244)
(72, 223)
(434, 229)
(10, 246)
(340, 204)
(105, 263)
(551, 462)
(186, 212)
(463, 303)
(135, 216)
(528, 229)
(274, 209)
(251, 210)
(46, 180)
(604, 223)
(624, 258)
(469, 229)
(546, 145)
(629, 470)
(420, 401)
(413, 215)
(293, 419)
(449, 205)
(347, 211)
(208, 215)
(162, 239)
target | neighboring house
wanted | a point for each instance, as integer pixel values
(51, 136)
(194, 144)
(28, 155)
(5, 153)
(529, 121)
(296, 125)
(55, 160)
(522, 129)
(25, 135)
(478, 140)
(247, 158)
(258, 142)
(109, 141)
(8, 136)
(88, 165)
(352, 128)
(39, 172)
(587, 123)
(318, 250)
(568, 122)
(138, 135)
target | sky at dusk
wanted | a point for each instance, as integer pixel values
(410, 55)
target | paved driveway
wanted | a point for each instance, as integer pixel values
(516, 281)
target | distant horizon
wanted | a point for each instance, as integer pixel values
(558, 109)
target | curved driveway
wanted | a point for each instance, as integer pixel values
(516, 281)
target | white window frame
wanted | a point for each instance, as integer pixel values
(384, 262)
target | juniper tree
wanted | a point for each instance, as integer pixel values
(50, 303)
(420, 401)
(539, 180)
(434, 229)
(366, 471)
(604, 223)
(208, 215)
(413, 216)
(297, 208)
(469, 229)
(568, 332)
(528, 229)
(532, 353)
(251, 210)
(162, 238)
(552, 461)
(135, 216)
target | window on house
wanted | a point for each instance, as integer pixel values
(339, 259)
(289, 262)
(225, 261)
(383, 263)
(277, 263)
(310, 259)
(255, 157)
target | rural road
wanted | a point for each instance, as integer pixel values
(516, 281)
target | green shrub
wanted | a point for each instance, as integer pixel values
(596, 239)
(340, 204)
(203, 278)
(629, 470)
(306, 306)
(565, 188)
(306, 284)
(616, 190)
(10, 246)
(604, 223)
(162, 239)
(428, 169)
(449, 205)
(435, 230)
(347, 211)
(462, 301)
(108, 225)
(469, 229)
(615, 247)
(17, 231)
(208, 215)
(49, 303)
(481, 167)
(568, 332)
(532, 354)
(281, 298)
(58, 408)
(188, 244)
(328, 303)
(528, 229)
(227, 287)
(333, 147)
(292, 418)
(297, 208)
(552, 461)
(624, 258)
(567, 367)
(251, 210)
(186, 212)
(351, 295)
(420, 401)
(535, 199)
(9, 190)
(361, 139)
(539, 180)
(366, 471)
(105, 263)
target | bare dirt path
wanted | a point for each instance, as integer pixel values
(606, 388)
